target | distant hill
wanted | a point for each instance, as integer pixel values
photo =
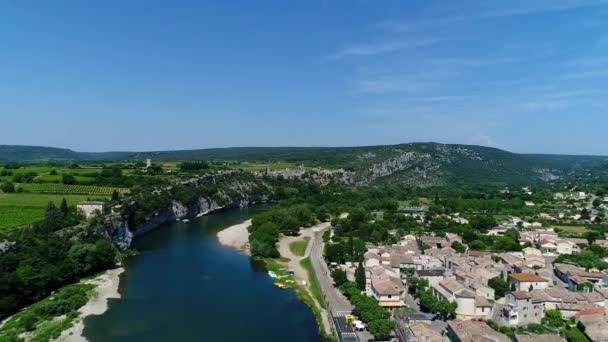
(416, 164)
(16, 153)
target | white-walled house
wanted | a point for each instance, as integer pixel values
(388, 291)
(470, 305)
(89, 209)
(433, 276)
(523, 281)
(567, 247)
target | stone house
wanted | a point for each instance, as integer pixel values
(89, 209)
(467, 331)
(519, 309)
(470, 306)
(388, 291)
(432, 276)
(528, 281)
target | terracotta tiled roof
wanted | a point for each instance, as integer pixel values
(521, 295)
(592, 311)
(528, 277)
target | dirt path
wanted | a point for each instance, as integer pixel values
(300, 272)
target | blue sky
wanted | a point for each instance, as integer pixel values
(522, 75)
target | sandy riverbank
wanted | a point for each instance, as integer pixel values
(236, 236)
(107, 287)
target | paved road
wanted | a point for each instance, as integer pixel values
(411, 302)
(337, 302)
(558, 282)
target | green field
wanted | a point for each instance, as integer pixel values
(299, 247)
(573, 229)
(312, 278)
(74, 189)
(19, 209)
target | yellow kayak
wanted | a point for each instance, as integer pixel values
(279, 285)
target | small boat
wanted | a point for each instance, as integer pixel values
(272, 274)
(279, 285)
(186, 221)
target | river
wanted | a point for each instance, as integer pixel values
(185, 286)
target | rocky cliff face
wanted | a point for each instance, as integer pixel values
(424, 165)
(123, 236)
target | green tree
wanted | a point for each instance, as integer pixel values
(446, 309)
(115, 196)
(334, 252)
(381, 328)
(64, 208)
(458, 247)
(7, 187)
(360, 276)
(351, 247)
(106, 253)
(83, 258)
(500, 286)
(478, 245)
(67, 178)
(592, 236)
(326, 235)
(417, 285)
(339, 276)
(553, 318)
(53, 217)
(512, 233)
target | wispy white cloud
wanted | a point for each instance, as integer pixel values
(373, 49)
(587, 62)
(545, 105)
(492, 9)
(586, 74)
(585, 68)
(576, 93)
(470, 62)
(561, 99)
(404, 83)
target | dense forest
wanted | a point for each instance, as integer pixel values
(46, 258)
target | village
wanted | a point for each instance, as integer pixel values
(438, 288)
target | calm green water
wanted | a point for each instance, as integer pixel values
(184, 286)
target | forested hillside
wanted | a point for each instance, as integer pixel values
(415, 164)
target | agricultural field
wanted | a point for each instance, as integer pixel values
(74, 189)
(19, 209)
(573, 229)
